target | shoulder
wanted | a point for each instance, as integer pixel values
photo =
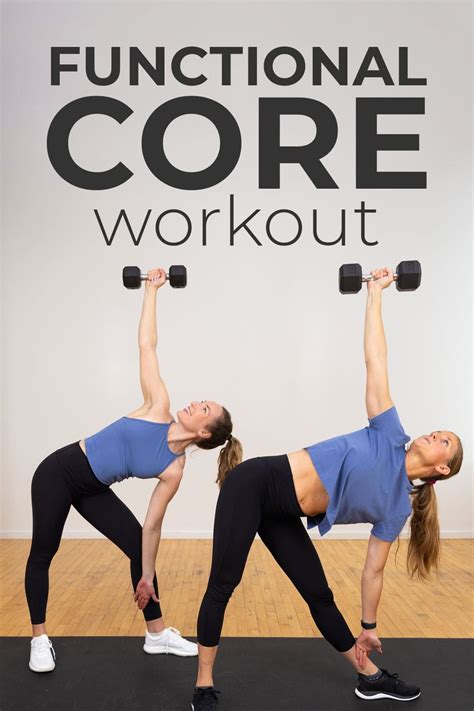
(174, 471)
(389, 423)
(384, 418)
(152, 413)
(390, 529)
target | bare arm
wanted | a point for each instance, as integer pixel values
(162, 495)
(372, 577)
(151, 535)
(371, 589)
(377, 395)
(153, 388)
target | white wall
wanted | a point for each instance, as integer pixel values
(262, 329)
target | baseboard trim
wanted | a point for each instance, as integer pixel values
(347, 534)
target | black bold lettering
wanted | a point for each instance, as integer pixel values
(58, 143)
(229, 137)
(270, 72)
(226, 54)
(156, 72)
(178, 72)
(373, 53)
(403, 78)
(114, 67)
(369, 142)
(57, 67)
(339, 71)
(272, 154)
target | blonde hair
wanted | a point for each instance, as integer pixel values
(424, 546)
(229, 457)
(221, 434)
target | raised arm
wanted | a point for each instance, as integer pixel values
(153, 388)
(377, 395)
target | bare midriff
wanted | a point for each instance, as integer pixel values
(312, 496)
(82, 445)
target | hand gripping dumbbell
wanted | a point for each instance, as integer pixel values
(132, 277)
(407, 276)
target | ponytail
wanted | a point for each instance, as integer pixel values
(221, 434)
(424, 546)
(229, 457)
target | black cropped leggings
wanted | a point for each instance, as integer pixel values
(259, 496)
(62, 480)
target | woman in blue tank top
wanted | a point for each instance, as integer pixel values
(364, 476)
(147, 443)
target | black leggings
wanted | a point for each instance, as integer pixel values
(63, 479)
(259, 496)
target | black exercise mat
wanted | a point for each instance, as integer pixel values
(271, 674)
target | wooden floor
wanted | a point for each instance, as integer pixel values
(90, 591)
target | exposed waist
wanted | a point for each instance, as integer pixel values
(310, 491)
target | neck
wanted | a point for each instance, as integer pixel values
(180, 437)
(415, 468)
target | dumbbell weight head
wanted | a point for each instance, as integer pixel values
(178, 276)
(132, 277)
(350, 278)
(408, 276)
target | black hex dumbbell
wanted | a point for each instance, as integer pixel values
(132, 277)
(407, 276)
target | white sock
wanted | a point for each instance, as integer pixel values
(155, 635)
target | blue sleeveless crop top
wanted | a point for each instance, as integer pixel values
(130, 448)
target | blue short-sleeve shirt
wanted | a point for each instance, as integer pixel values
(365, 477)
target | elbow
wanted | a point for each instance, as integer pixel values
(147, 344)
(152, 527)
(370, 574)
(378, 357)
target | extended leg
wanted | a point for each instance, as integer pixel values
(292, 548)
(51, 502)
(109, 515)
(238, 515)
(295, 553)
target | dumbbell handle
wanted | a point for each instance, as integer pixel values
(144, 277)
(369, 277)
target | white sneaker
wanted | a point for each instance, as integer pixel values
(169, 642)
(42, 656)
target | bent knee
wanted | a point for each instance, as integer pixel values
(322, 597)
(40, 559)
(221, 592)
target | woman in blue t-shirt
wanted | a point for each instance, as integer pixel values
(365, 476)
(146, 444)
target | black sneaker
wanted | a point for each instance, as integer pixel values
(389, 686)
(205, 699)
